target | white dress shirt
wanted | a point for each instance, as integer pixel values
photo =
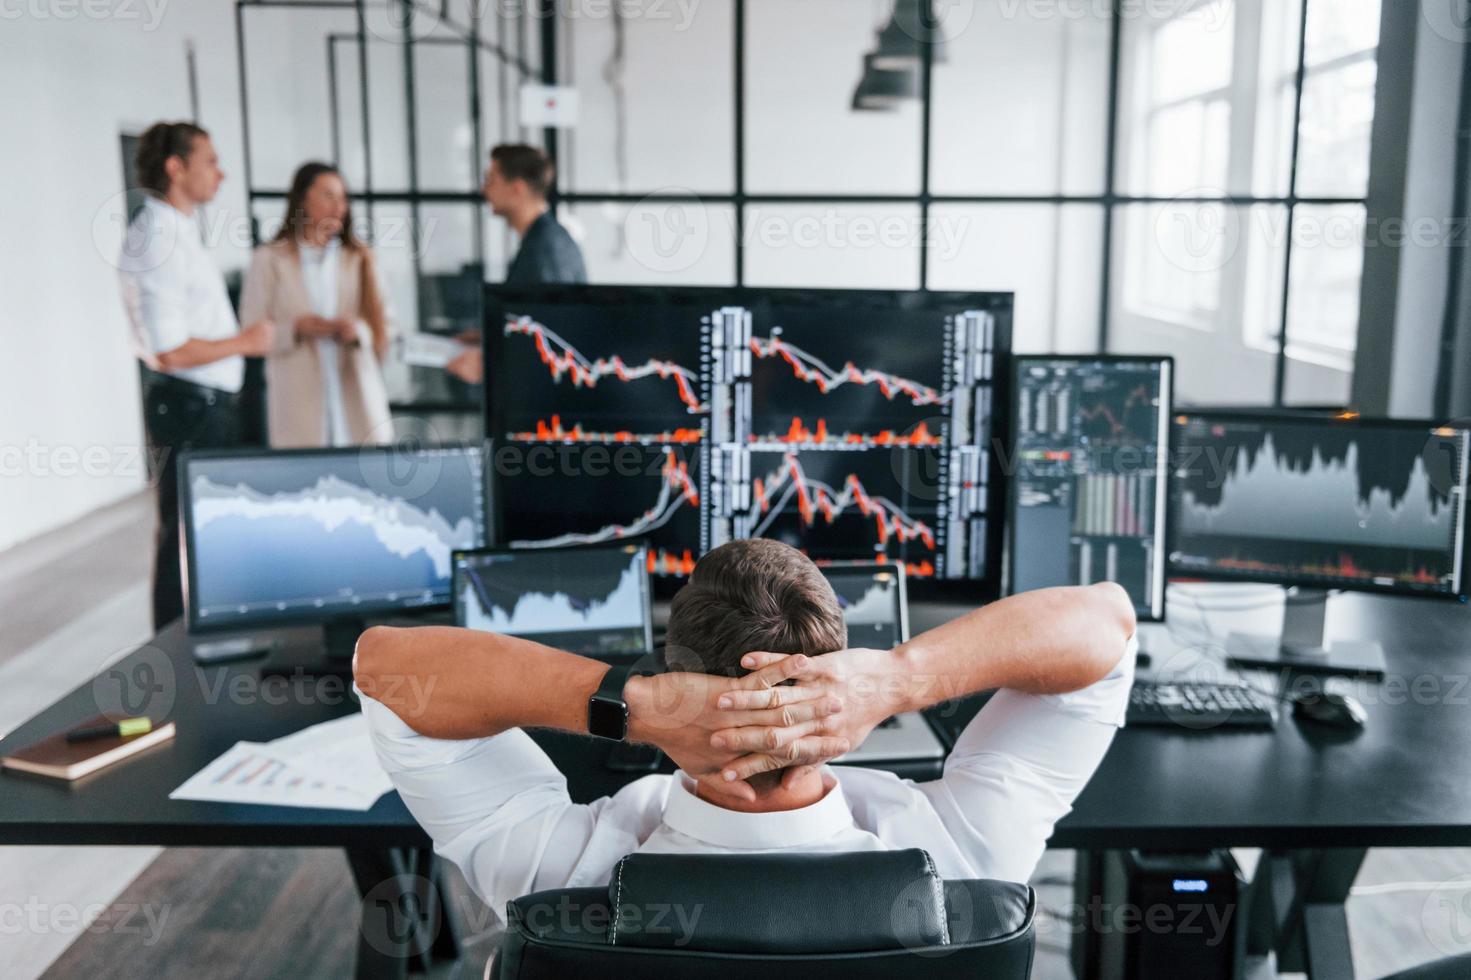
(498, 808)
(319, 267)
(173, 293)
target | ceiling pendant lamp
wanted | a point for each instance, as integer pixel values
(892, 73)
(901, 40)
(882, 89)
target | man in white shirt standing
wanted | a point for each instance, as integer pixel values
(184, 328)
(763, 694)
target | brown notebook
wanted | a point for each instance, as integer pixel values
(56, 758)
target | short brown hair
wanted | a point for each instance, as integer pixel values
(521, 162)
(157, 144)
(752, 594)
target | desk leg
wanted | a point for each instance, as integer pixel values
(403, 926)
(1085, 952)
(1309, 889)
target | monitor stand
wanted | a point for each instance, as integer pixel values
(1300, 646)
(339, 639)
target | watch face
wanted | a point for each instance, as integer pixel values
(606, 718)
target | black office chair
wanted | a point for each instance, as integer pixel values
(851, 915)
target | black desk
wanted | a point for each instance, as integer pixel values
(1316, 798)
(1404, 780)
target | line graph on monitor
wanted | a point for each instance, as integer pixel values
(842, 506)
(678, 495)
(821, 384)
(565, 361)
(813, 370)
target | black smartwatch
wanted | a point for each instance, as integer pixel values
(607, 712)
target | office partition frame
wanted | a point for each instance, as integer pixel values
(545, 18)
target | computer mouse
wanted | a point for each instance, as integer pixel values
(1338, 710)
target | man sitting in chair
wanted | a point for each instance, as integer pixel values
(761, 693)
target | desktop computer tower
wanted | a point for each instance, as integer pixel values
(1151, 916)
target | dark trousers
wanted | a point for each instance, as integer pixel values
(179, 416)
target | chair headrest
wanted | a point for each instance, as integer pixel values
(778, 903)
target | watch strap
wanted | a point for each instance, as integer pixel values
(611, 687)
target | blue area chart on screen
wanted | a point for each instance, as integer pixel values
(876, 605)
(332, 538)
(1322, 500)
(552, 612)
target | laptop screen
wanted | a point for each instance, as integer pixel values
(593, 601)
(874, 602)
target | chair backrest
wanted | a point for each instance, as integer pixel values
(716, 916)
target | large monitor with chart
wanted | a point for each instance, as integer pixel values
(317, 535)
(855, 426)
(1322, 502)
(1090, 476)
(589, 600)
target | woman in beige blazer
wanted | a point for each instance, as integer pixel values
(324, 380)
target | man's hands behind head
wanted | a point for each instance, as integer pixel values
(870, 685)
(790, 712)
(681, 713)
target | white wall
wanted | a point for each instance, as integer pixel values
(1019, 107)
(70, 423)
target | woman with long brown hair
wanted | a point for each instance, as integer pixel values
(324, 379)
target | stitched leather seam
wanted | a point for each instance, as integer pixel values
(617, 905)
(939, 891)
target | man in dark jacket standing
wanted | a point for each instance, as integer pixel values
(516, 186)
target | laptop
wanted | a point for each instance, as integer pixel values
(876, 609)
(592, 600)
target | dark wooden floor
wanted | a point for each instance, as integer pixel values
(262, 914)
(253, 914)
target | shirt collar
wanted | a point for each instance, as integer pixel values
(165, 215)
(687, 814)
(164, 209)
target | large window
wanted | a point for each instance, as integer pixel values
(1184, 178)
(1243, 163)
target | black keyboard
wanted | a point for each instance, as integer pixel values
(1199, 706)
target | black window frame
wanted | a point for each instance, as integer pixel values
(543, 18)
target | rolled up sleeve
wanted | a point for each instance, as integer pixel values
(491, 805)
(1019, 765)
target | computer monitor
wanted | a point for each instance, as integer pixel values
(875, 605)
(592, 600)
(322, 535)
(853, 425)
(876, 611)
(1320, 503)
(1089, 494)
